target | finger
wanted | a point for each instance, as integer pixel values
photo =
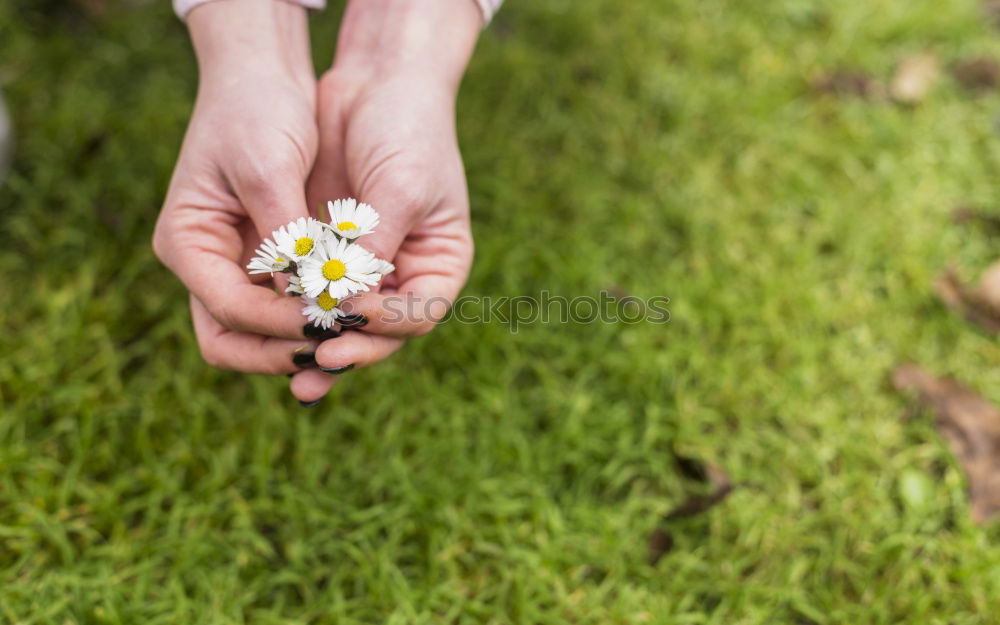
(203, 249)
(401, 195)
(239, 351)
(396, 314)
(413, 309)
(354, 350)
(311, 385)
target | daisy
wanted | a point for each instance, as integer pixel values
(350, 219)
(299, 238)
(338, 267)
(294, 286)
(268, 259)
(384, 267)
(322, 310)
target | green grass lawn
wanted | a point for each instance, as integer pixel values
(666, 147)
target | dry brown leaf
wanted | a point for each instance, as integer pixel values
(661, 540)
(721, 486)
(970, 424)
(977, 304)
(849, 83)
(914, 78)
(989, 287)
(977, 74)
(617, 291)
(95, 8)
(991, 9)
(970, 214)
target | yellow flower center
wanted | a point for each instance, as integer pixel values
(279, 259)
(326, 302)
(303, 246)
(347, 225)
(333, 269)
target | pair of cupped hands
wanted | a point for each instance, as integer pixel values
(267, 143)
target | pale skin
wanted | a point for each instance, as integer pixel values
(267, 143)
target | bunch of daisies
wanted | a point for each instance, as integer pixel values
(327, 266)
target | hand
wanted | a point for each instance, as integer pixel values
(387, 137)
(241, 173)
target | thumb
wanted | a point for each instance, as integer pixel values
(401, 200)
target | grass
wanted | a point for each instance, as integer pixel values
(668, 147)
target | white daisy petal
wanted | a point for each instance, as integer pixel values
(384, 267)
(344, 289)
(268, 259)
(338, 267)
(326, 267)
(322, 311)
(294, 286)
(350, 219)
(299, 239)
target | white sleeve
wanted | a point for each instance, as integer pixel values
(183, 7)
(488, 8)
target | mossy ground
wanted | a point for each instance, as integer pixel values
(666, 147)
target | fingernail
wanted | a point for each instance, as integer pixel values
(316, 332)
(312, 331)
(304, 359)
(310, 404)
(337, 370)
(353, 321)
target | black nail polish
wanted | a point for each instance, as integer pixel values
(315, 332)
(337, 370)
(353, 321)
(309, 404)
(304, 359)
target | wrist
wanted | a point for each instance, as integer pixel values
(233, 36)
(429, 39)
